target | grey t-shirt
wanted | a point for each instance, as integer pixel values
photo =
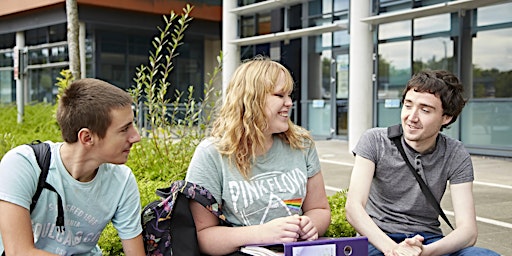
(276, 187)
(396, 202)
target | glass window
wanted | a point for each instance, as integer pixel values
(7, 89)
(492, 61)
(433, 53)
(42, 84)
(50, 34)
(341, 38)
(248, 27)
(264, 24)
(342, 76)
(494, 14)
(112, 63)
(315, 7)
(326, 6)
(341, 5)
(395, 29)
(58, 53)
(36, 36)
(487, 123)
(394, 68)
(6, 58)
(57, 33)
(256, 25)
(7, 40)
(432, 24)
(188, 68)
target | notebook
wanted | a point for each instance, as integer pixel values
(324, 246)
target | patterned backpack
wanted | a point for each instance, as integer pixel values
(168, 225)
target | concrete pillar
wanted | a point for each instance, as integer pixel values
(81, 45)
(304, 77)
(20, 94)
(465, 48)
(361, 100)
(230, 51)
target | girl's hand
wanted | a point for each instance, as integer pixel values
(281, 230)
(308, 230)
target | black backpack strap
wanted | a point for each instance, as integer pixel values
(42, 152)
(395, 134)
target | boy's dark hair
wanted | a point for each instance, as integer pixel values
(444, 85)
(87, 103)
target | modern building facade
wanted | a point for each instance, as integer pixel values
(350, 59)
(116, 38)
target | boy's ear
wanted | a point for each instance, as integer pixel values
(85, 137)
(447, 119)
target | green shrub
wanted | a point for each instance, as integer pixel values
(339, 225)
(174, 128)
(39, 123)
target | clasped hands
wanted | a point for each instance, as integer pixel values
(409, 247)
(289, 229)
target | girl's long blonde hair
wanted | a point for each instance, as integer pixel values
(240, 125)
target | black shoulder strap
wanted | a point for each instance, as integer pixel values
(395, 134)
(42, 152)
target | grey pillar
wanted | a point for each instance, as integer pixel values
(304, 60)
(230, 51)
(81, 45)
(466, 52)
(20, 94)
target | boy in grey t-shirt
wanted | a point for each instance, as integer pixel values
(385, 202)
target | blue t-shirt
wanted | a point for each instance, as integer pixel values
(276, 186)
(112, 195)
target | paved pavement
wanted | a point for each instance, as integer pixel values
(492, 192)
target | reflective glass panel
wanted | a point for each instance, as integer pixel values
(248, 28)
(394, 68)
(432, 24)
(494, 14)
(264, 24)
(487, 123)
(341, 5)
(6, 58)
(7, 89)
(341, 38)
(394, 29)
(388, 115)
(433, 53)
(42, 84)
(492, 61)
(7, 40)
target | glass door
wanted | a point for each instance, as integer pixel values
(341, 125)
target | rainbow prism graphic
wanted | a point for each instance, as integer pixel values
(294, 204)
